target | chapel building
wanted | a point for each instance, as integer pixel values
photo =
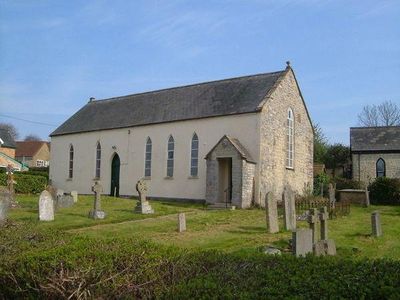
(226, 141)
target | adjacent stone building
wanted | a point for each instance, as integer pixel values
(229, 140)
(375, 152)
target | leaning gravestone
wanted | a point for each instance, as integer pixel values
(181, 222)
(272, 213)
(96, 212)
(5, 199)
(143, 206)
(376, 224)
(290, 208)
(302, 242)
(46, 207)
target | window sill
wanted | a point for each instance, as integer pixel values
(169, 177)
(193, 177)
(96, 179)
(146, 178)
(290, 168)
(69, 179)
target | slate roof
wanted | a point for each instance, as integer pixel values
(364, 139)
(6, 137)
(28, 148)
(209, 99)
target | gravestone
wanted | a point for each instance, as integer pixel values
(46, 206)
(367, 203)
(5, 199)
(10, 186)
(332, 198)
(323, 218)
(271, 213)
(52, 190)
(325, 247)
(290, 208)
(96, 212)
(59, 192)
(143, 206)
(74, 195)
(64, 201)
(376, 224)
(312, 220)
(181, 222)
(302, 243)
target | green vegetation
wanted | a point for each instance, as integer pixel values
(26, 184)
(385, 191)
(220, 255)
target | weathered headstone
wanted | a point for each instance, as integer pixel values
(332, 198)
(325, 247)
(367, 203)
(312, 222)
(290, 208)
(271, 213)
(74, 195)
(10, 186)
(181, 222)
(5, 199)
(64, 201)
(376, 224)
(323, 218)
(143, 206)
(302, 242)
(96, 212)
(52, 190)
(46, 207)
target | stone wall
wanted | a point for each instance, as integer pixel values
(248, 171)
(273, 141)
(364, 166)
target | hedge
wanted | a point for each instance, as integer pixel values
(385, 191)
(26, 184)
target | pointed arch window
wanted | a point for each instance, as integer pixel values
(147, 161)
(170, 157)
(380, 168)
(194, 156)
(290, 139)
(98, 160)
(71, 162)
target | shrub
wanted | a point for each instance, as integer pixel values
(344, 183)
(26, 184)
(385, 191)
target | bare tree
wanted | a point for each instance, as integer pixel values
(384, 114)
(11, 129)
(32, 137)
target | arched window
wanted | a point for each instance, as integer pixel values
(147, 159)
(98, 160)
(380, 168)
(290, 139)
(170, 157)
(71, 162)
(194, 156)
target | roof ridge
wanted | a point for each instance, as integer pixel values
(374, 127)
(183, 86)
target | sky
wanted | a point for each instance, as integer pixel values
(55, 55)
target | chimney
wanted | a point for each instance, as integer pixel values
(91, 99)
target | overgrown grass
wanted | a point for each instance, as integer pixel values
(220, 255)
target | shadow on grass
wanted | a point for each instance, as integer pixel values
(249, 230)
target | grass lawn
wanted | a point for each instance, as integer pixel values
(229, 231)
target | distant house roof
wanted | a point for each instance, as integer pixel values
(8, 141)
(209, 99)
(28, 148)
(374, 139)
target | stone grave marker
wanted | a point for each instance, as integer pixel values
(325, 247)
(302, 242)
(367, 202)
(312, 220)
(96, 212)
(376, 224)
(332, 198)
(181, 222)
(323, 218)
(46, 206)
(143, 206)
(64, 201)
(5, 199)
(290, 208)
(10, 186)
(52, 190)
(271, 210)
(74, 195)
